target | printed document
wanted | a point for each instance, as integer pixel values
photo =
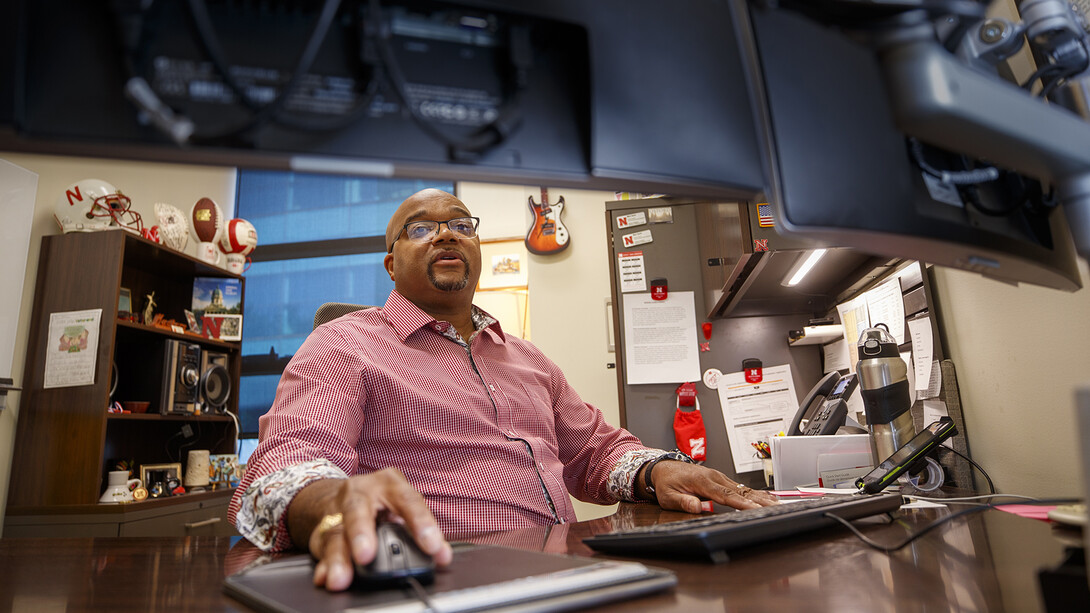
(660, 339)
(756, 411)
(73, 348)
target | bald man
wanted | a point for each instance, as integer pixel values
(424, 412)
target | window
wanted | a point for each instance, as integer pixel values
(321, 239)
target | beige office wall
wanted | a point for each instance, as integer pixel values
(1020, 353)
(146, 184)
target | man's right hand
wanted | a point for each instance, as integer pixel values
(361, 501)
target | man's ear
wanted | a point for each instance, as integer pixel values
(388, 262)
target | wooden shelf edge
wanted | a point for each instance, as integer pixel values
(193, 338)
(161, 417)
(115, 509)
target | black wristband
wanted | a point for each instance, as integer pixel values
(649, 466)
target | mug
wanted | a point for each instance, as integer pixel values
(119, 488)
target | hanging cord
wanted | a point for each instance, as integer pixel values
(1068, 57)
(271, 111)
(509, 117)
(137, 26)
(991, 486)
(951, 177)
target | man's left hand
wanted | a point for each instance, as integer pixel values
(683, 487)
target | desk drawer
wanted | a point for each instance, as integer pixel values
(210, 521)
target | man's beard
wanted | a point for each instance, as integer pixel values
(448, 286)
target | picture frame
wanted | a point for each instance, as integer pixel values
(191, 320)
(124, 300)
(230, 326)
(170, 470)
(504, 265)
(223, 470)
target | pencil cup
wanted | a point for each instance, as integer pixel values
(768, 471)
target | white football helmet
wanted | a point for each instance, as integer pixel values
(92, 204)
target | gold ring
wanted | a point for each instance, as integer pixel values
(328, 523)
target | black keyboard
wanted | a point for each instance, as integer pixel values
(711, 536)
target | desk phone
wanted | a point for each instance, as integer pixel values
(825, 408)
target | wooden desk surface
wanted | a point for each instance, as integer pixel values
(984, 562)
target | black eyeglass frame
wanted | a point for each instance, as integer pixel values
(435, 230)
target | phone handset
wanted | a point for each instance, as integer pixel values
(825, 408)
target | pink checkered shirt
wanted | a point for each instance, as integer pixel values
(483, 431)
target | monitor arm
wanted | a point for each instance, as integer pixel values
(944, 101)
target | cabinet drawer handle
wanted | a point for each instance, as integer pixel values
(204, 522)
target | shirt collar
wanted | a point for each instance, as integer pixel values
(406, 318)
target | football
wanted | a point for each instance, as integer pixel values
(240, 237)
(207, 220)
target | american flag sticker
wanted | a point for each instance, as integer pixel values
(764, 215)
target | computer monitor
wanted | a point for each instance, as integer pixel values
(841, 168)
(611, 94)
(726, 99)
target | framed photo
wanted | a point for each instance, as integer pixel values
(223, 470)
(152, 473)
(230, 327)
(503, 264)
(191, 320)
(124, 300)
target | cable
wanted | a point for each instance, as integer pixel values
(971, 499)
(263, 114)
(991, 486)
(419, 591)
(934, 524)
(508, 117)
(166, 445)
(196, 437)
(1068, 56)
(238, 429)
(951, 177)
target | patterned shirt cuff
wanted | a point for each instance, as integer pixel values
(262, 515)
(622, 479)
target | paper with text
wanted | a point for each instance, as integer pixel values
(923, 351)
(837, 357)
(631, 271)
(660, 339)
(72, 348)
(886, 306)
(855, 318)
(756, 411)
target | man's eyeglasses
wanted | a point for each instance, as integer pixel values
(424, 229)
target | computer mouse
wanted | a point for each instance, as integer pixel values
(397, 558)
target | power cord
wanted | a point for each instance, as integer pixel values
(509, 116)
(137, 22)
(271, 111)
(991, 486)
(936, 523)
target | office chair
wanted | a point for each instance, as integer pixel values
(332, 310)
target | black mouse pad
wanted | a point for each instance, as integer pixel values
(481, 578)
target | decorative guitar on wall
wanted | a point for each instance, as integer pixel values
(547, 233)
